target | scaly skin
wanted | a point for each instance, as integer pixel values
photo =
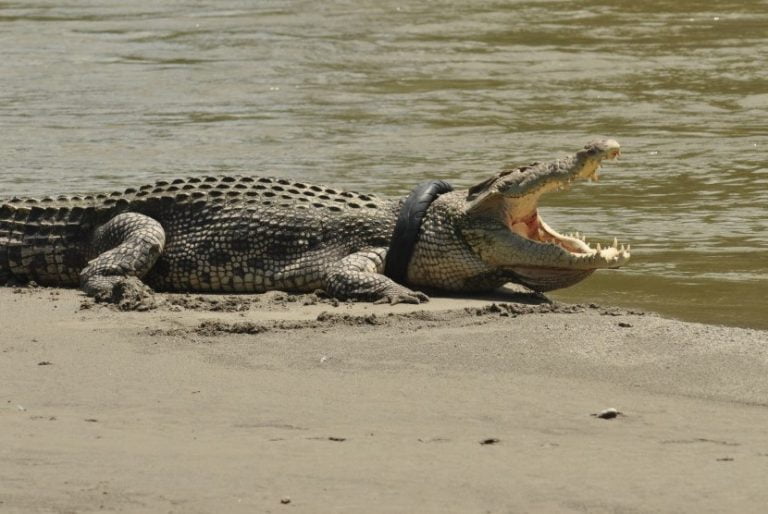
(247, 234)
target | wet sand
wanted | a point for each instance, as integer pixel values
(278, 403)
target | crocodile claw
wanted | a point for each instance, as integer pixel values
(407, 296)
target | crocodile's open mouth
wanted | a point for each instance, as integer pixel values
(539, 256)
(534, 228)
(522, 217)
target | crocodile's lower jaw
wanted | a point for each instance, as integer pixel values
(577, 245)
(577, 262)
(549, 279)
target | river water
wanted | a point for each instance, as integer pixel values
(380, 95)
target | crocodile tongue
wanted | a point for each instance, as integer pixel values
(528, 226)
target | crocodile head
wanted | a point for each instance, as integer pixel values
(504, 228)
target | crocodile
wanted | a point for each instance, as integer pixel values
(255, 234)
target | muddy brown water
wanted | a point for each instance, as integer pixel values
(378, 96)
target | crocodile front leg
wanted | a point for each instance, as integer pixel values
(359, 277)
(128, 246)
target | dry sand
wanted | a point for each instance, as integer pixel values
(294, 404)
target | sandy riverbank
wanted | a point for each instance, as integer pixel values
(238, 404)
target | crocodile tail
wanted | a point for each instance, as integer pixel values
(40, 240)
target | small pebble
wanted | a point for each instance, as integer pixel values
(285, 500)
(607, 413)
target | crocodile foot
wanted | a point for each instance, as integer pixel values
(406, 296)
(127, 294)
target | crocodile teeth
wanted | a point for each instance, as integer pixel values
(615, 243)
(599, 248)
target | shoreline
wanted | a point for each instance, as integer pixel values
(275, 402)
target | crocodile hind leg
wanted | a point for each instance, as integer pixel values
(358, 277)
(128, 246)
